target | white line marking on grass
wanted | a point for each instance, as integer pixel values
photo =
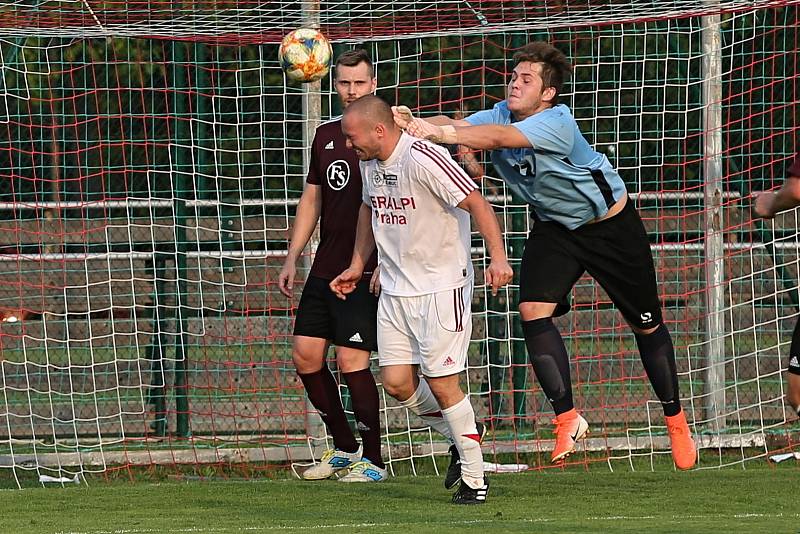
(277, 528)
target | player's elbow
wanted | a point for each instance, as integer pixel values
(793, 189)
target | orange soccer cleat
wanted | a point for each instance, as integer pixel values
(684, 453)
(570, 427)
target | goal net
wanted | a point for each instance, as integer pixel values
(152, 156)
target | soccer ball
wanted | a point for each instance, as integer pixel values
(305, 55)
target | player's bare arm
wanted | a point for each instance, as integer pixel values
(768, 203)
(480, 137)
(403, 117)
(305, 221)
(346, 282)
(499, 272)
(470, 163)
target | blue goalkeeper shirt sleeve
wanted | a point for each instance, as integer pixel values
(560, 175)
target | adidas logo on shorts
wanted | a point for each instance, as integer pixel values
(794, 362)
(356, 338)
(448, 362)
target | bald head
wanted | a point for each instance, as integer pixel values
(368, 125)
(373, 110)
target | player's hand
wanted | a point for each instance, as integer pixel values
(425, 130)
(498, 274)
(375, 282)
(402, 116)
(286, 278)
(345, 283)
(763, 204)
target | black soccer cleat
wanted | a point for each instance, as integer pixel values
(467, 495)
(453, 474)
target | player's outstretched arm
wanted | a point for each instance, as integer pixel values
(403, 117)
(305, 221)
(480, 137)
(768, 203)
(499, 272)
(346, 282)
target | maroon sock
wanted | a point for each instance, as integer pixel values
(323, 392)
(364, 394)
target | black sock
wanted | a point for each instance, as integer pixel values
(364, 394)
(658, 357)
(550, 361)
(323, 392)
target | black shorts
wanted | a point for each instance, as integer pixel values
(615, 252)
(345, 323)
(794, 365)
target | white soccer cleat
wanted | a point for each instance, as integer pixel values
(365, 471)
(333, 460)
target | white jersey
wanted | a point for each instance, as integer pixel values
(423, 239)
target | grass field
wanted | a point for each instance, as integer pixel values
(762, 498)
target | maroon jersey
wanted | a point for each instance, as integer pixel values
(794, 168)
(334, 167)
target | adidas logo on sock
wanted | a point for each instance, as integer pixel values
(329, 146)
(356, 338)
(361, 427)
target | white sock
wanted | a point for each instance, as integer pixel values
(461, 419)
(424, 404)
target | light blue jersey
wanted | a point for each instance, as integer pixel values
(562, 177)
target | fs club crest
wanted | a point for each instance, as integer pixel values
(338, 174)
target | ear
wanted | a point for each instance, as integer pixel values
(549, 94)
(380, 129)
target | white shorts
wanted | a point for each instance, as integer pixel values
(432, 331)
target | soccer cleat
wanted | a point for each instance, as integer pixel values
(365, 471)
(570, 427)
(333, 460)
(467, 495)
(684, 453)
(453, 474)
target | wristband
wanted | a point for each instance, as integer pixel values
(449, 135)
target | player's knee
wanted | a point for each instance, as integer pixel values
(793, 394)
(306, 362)
(530, 311)
(400, 390)
(645, 331)
(352, 360)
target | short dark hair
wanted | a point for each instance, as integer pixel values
(556, 68)
(354, 57)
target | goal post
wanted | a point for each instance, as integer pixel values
(151, 161)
